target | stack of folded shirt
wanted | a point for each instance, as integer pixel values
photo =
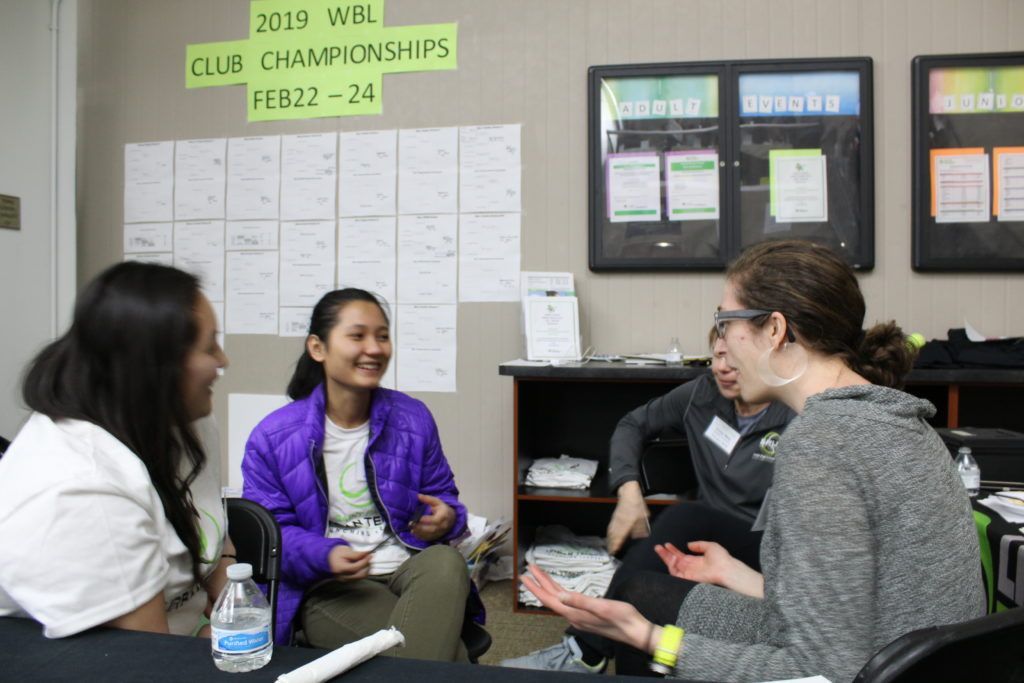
(577, 563)
(561, 473)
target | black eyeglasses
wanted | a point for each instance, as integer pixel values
(723, 317)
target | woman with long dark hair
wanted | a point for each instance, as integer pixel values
(869, 533)
(110, 509)
(365, 498)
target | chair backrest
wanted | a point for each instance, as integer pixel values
(4, 443)
(990, 648)
(665, 467)
(257, 539)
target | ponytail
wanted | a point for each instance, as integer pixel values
(883, 356)
(308, 376)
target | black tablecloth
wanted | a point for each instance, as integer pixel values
(114, 655)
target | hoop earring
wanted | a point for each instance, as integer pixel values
(792, 355)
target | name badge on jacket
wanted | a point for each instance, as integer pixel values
(722, 435)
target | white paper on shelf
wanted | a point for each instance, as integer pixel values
(344, 658)
(148, 237)
(366, 255)
(427, 347)
(251, 292)
(427, 264)
(367, 173)
(428, 172)
(254, 178)
(199, 177)
(199, 249)
(308, 184)
(541, 283)
(307, 262)
(490, 174)
(149, 182)
(251, 234)
(489, 256)
(552, 328)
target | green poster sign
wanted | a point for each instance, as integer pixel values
(313, 58)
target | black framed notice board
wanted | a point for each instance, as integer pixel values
(692, 162)
(968, 162)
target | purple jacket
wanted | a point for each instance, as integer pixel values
(283, 454)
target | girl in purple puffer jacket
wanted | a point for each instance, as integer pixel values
(367, 503)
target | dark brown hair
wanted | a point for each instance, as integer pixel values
(819, 296)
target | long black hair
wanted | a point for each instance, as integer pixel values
(309, 374)
(120, 367)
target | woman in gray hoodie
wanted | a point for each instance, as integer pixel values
(869, 533)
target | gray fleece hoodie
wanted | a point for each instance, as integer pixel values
(869, 536)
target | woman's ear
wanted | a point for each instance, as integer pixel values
(316, 349)
(778, 330)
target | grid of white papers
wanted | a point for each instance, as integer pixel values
(424, 218)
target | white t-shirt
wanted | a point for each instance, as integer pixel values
(83, 535)
(353, 515)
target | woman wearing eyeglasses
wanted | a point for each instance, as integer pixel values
(869, 533)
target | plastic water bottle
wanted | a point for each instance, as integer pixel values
(969, 471)
(674, 354)
(241, 638)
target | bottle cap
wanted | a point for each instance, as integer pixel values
(240, 571)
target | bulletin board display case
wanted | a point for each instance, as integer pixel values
(656, 158)
(690, 163)
(968, 162)
(804, 142)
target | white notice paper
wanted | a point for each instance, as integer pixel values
(245, 411)
(148, 237)
(427, 348)
(307, 262)
(366, 255)
(552, 328)
(163, 259)
(1010, 179)
(293, 321)
(427, 265)
(961, 187)
(199, 176)
(633, 187)
(428, 171)
(367, 173)
(308, 167)
(489, 169)
(800, 184)
(149, 182)
(251, 292)
(199, 249)
(254, 177)
(489, 256)
(251, 235)
(691, 185)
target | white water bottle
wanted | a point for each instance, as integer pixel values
(241, 638)
(969, 471)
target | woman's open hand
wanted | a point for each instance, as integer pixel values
(709, 562)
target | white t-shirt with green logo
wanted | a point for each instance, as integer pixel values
(84, 535)
(353, 515)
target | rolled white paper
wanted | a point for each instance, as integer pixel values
(344, 658)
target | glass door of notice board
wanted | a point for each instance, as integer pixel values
(804, 149)
(968, 162)
(691, 163)
(656, 158)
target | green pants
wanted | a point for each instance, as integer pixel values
(425, 599)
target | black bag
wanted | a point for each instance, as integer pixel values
(960, 352)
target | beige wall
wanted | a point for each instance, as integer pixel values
(525, 61)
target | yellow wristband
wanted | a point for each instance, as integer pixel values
(667, 650)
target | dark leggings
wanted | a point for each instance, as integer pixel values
(643, 579)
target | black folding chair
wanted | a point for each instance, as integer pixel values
(257, 539)
(989, 648)
(4, 443)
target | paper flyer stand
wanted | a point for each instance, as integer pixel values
(551, 317)
(968, 162)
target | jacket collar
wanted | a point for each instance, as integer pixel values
(381, 403)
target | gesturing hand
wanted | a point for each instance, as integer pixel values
(709, 562)
(347, 564)
(437, 522)
(629, 520)
(610, 618)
